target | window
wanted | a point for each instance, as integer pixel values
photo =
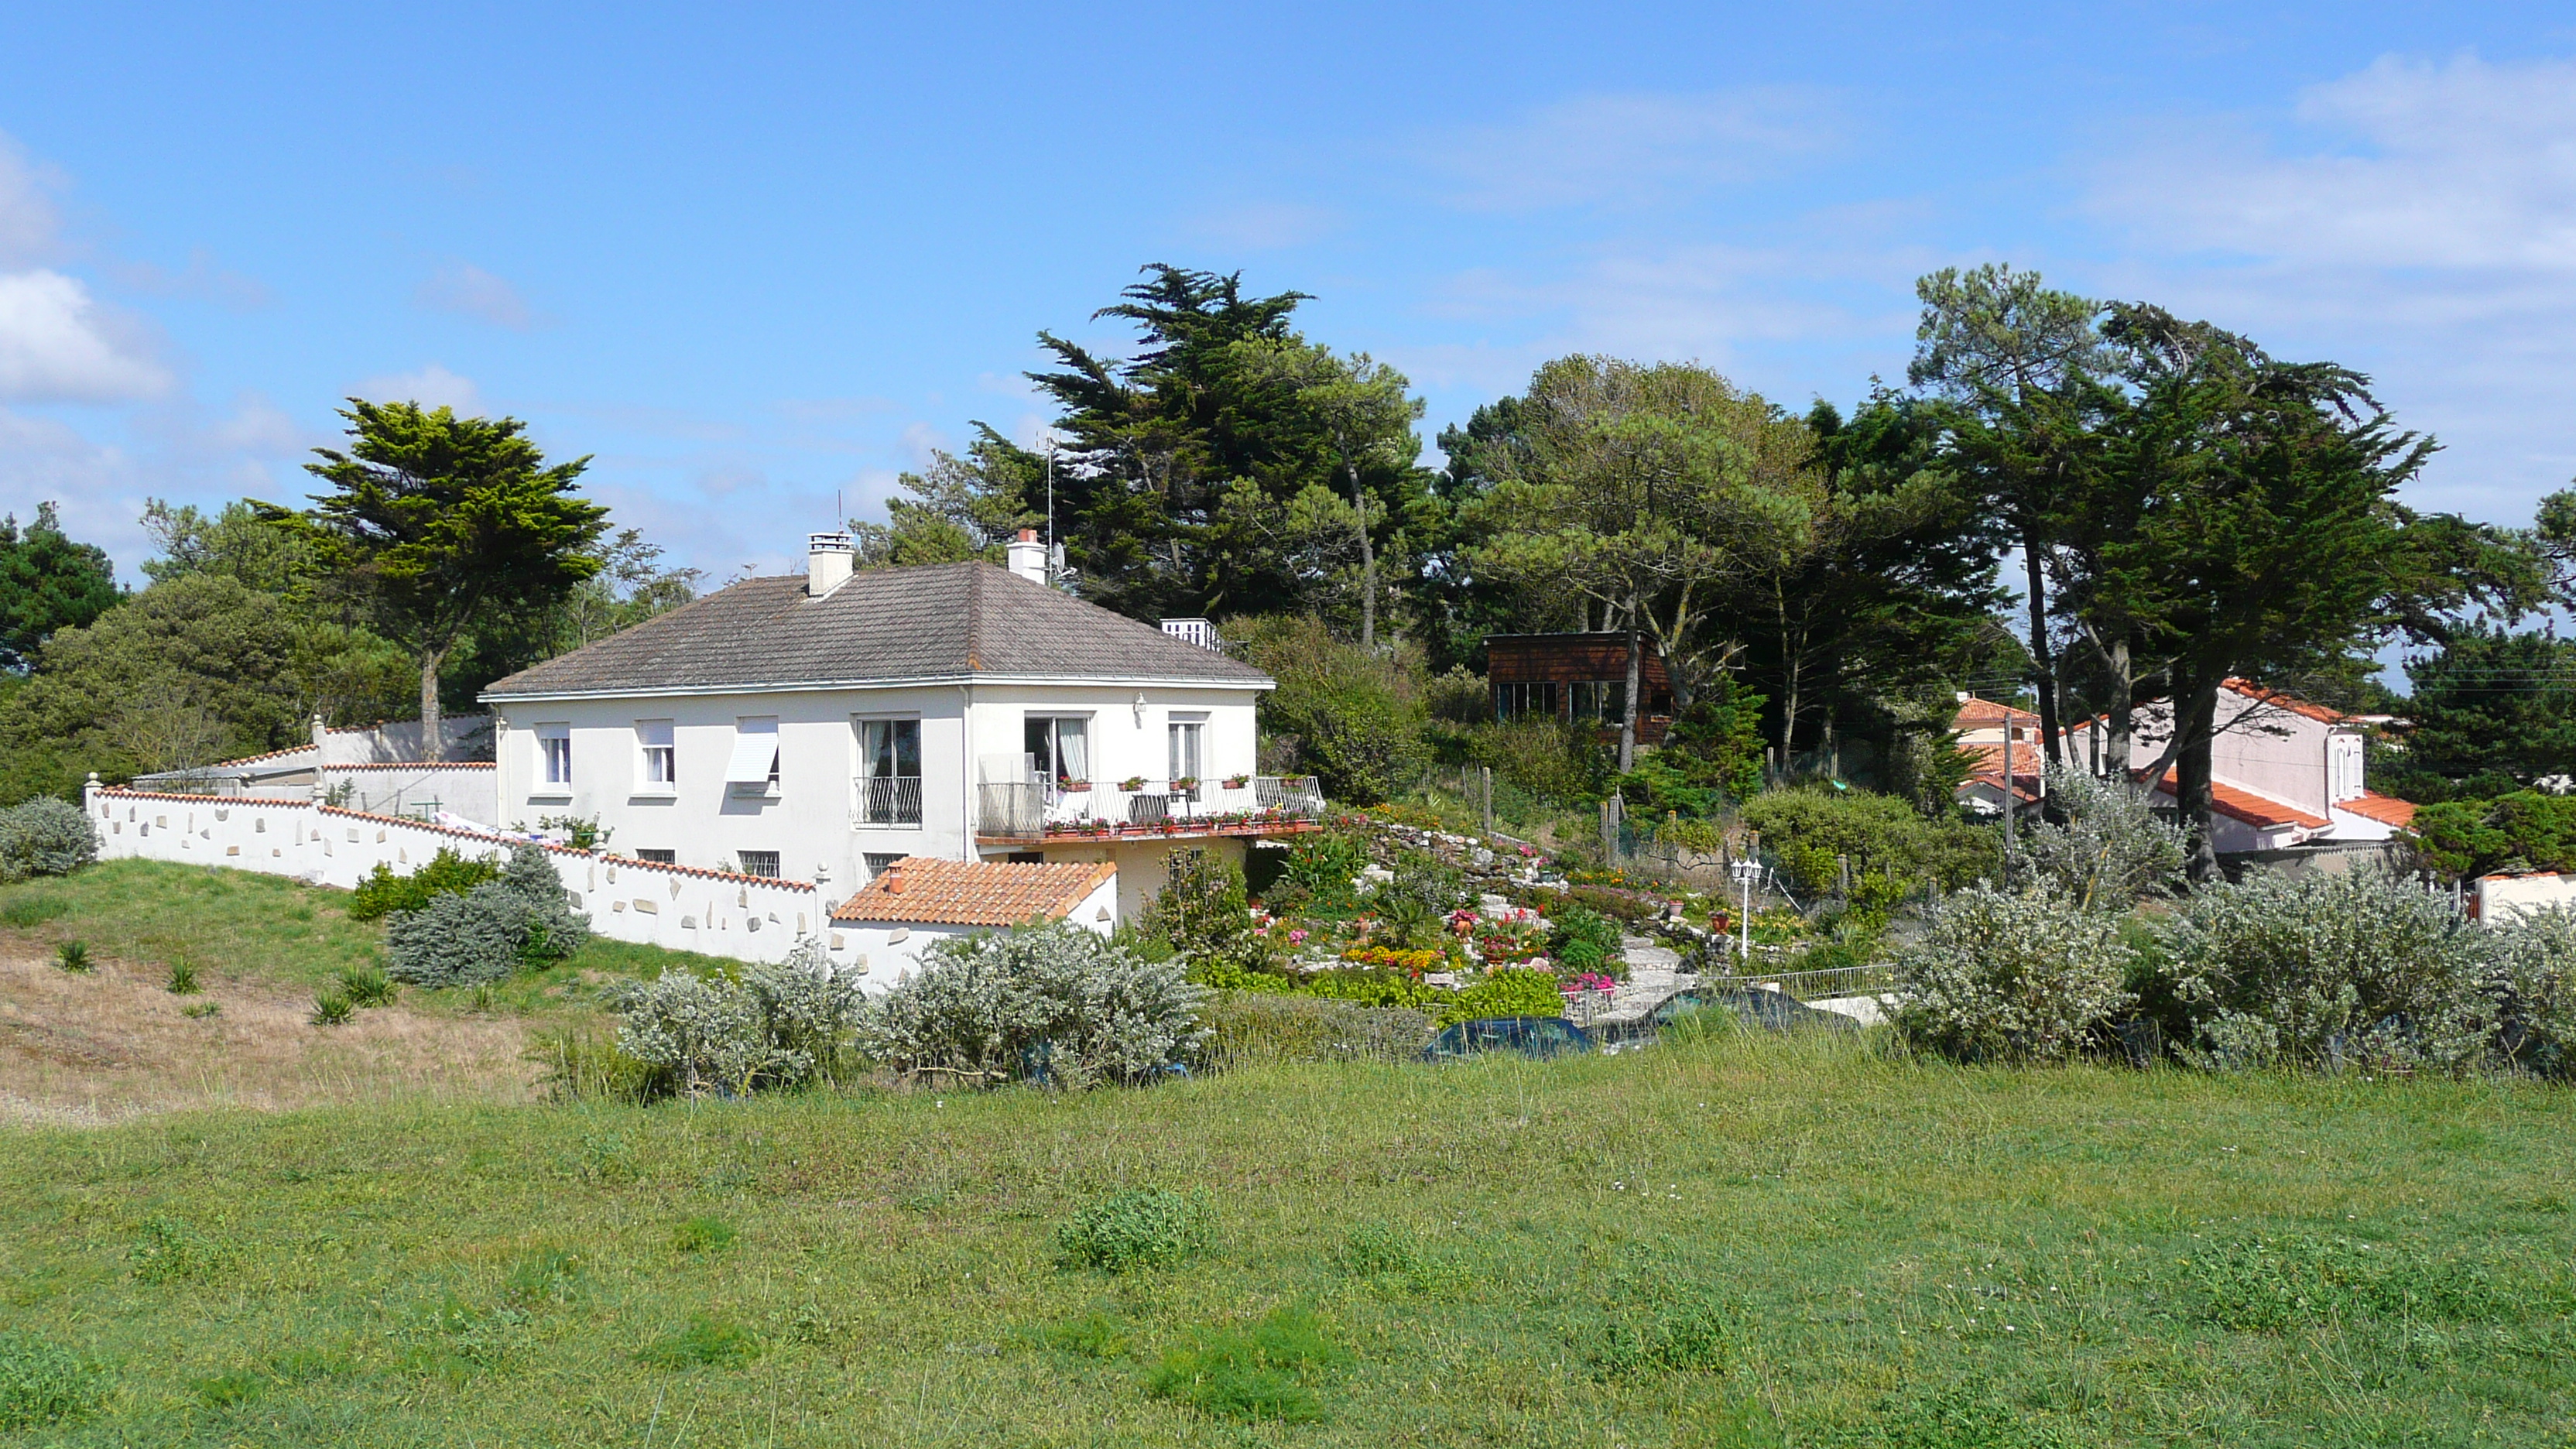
(878, 860)
(659, 857)
(753, 769)
(658, 757)
(1186, 735)
(890, 772)
(1516, 698)
(1605, 700)
(762, 863)
(1060, 747)
(554, 757)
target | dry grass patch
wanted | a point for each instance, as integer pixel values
(113, 1043)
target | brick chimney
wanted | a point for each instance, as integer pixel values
(894, 879)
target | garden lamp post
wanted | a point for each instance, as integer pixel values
(1747, 870)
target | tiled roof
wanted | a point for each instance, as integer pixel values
(1980, 712)
(2278, 700)
(2386, 809)
(943, 621)
(2260, 811)
(940, 892)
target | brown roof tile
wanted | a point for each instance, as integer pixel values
(974, 893)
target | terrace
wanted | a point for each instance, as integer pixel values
(1239, 805)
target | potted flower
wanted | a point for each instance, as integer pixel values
(1132, 784)
(1070, 786)
(1237, 782)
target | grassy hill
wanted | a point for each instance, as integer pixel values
(1728, 1242)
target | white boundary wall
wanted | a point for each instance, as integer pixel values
(682, 907)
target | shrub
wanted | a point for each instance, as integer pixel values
(1581, 939)
(73, 956)
(1146, 1227)
(1352, 717)
(1246, 1027)
(1807, 827)
(447, 873)
(2322, 968)
(183, 979)
(518, 918)
(1202, 911)
(1053, 1002)
(1321, 868)
(782, 1024)
(1266, 1372)
(45, 836)
(1556, 762)
(2011, 975)
(2533, 982)
(2109, 851)
(1413, 908)
(41, 1382)
(366, 986)
(331, 1008)
(2524, 831)
(1509, 992)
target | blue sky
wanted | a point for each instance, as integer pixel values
(752, 257)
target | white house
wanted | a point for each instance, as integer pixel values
(2284, 773)
(920, 901)
(821, 727)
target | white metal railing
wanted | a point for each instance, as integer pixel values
(889, 800)
(1029, 809)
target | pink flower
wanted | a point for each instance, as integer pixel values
(1296, 938)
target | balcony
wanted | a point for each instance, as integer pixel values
(888, 802)
(1258, 805)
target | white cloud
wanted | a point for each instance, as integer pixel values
(58, 345)
(469, 291)
(1634, 149)
(30, 225)
(920, 440)
(2419, 221)
(432, 386)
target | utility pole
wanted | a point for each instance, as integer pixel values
(1050, 510)
(2006, 882)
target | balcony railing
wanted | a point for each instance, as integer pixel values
(890, 800)
(1029, 810)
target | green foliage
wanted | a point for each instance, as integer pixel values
(705, 1341)
(42, 1382)
(45, 836)
(2318, 968)
(1413, 909)
(581, 832)
(703, 1234)
(1352, 718)
(235, 543)
(447, 872)
(1546, 758)
(1202, 912)
(331, 1007)
(2108, 851)
(1052, 1002)
(1580, 939)
(1806, 827)
(34, 909)
(1255, 1026)
(1693, 1339)
(2527, 830)
(1268, 1372)
(1322, 867)
(367, 986)
(2533, 984)
(183, 979)
(1374, 988)
(517, 918)
(2295, 1280)
(2491, 704)
(548, 1279)
(166, 1250)
(1512, 991)
(73, 956)
(1715, 743)
(1094, 1335)
(1964, 1415)
(47, 583)
(1138, 1229)
(780, 1025)
(2003, 976)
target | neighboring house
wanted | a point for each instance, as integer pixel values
(1577, 678)
(2285, 773)
(373, 768)
(919, 901)
(1983, 727)
(820, 727)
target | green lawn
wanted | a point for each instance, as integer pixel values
(1729, 1242)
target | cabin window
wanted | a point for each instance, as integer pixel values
(1516, 698)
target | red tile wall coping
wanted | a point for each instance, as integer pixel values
(416, 765)
(228, 802)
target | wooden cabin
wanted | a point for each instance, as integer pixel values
(1578, 678)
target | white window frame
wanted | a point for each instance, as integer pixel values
(554, 759)
(1053, 719)
(862, 761)
(1192, 725)
(657, 737)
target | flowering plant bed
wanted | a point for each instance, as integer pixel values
(1413, 962)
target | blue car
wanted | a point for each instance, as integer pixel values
(1535, 1037)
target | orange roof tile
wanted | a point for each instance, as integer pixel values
(2278, 700)
(2386, 809)
(1977, 712)
(2260, 811)
(974, 892)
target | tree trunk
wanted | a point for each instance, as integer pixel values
(2193, 720)
(2042, 657)
(1368, 564)
(1788, 676)
(433, 736)
(1628, 708)
(2120, 729)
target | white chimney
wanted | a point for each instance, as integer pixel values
(829, 560)
(1028, 556)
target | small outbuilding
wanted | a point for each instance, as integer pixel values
(919, 901)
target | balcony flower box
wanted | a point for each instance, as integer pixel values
(1186, 782)
(1132, 784)
(1237, 782)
